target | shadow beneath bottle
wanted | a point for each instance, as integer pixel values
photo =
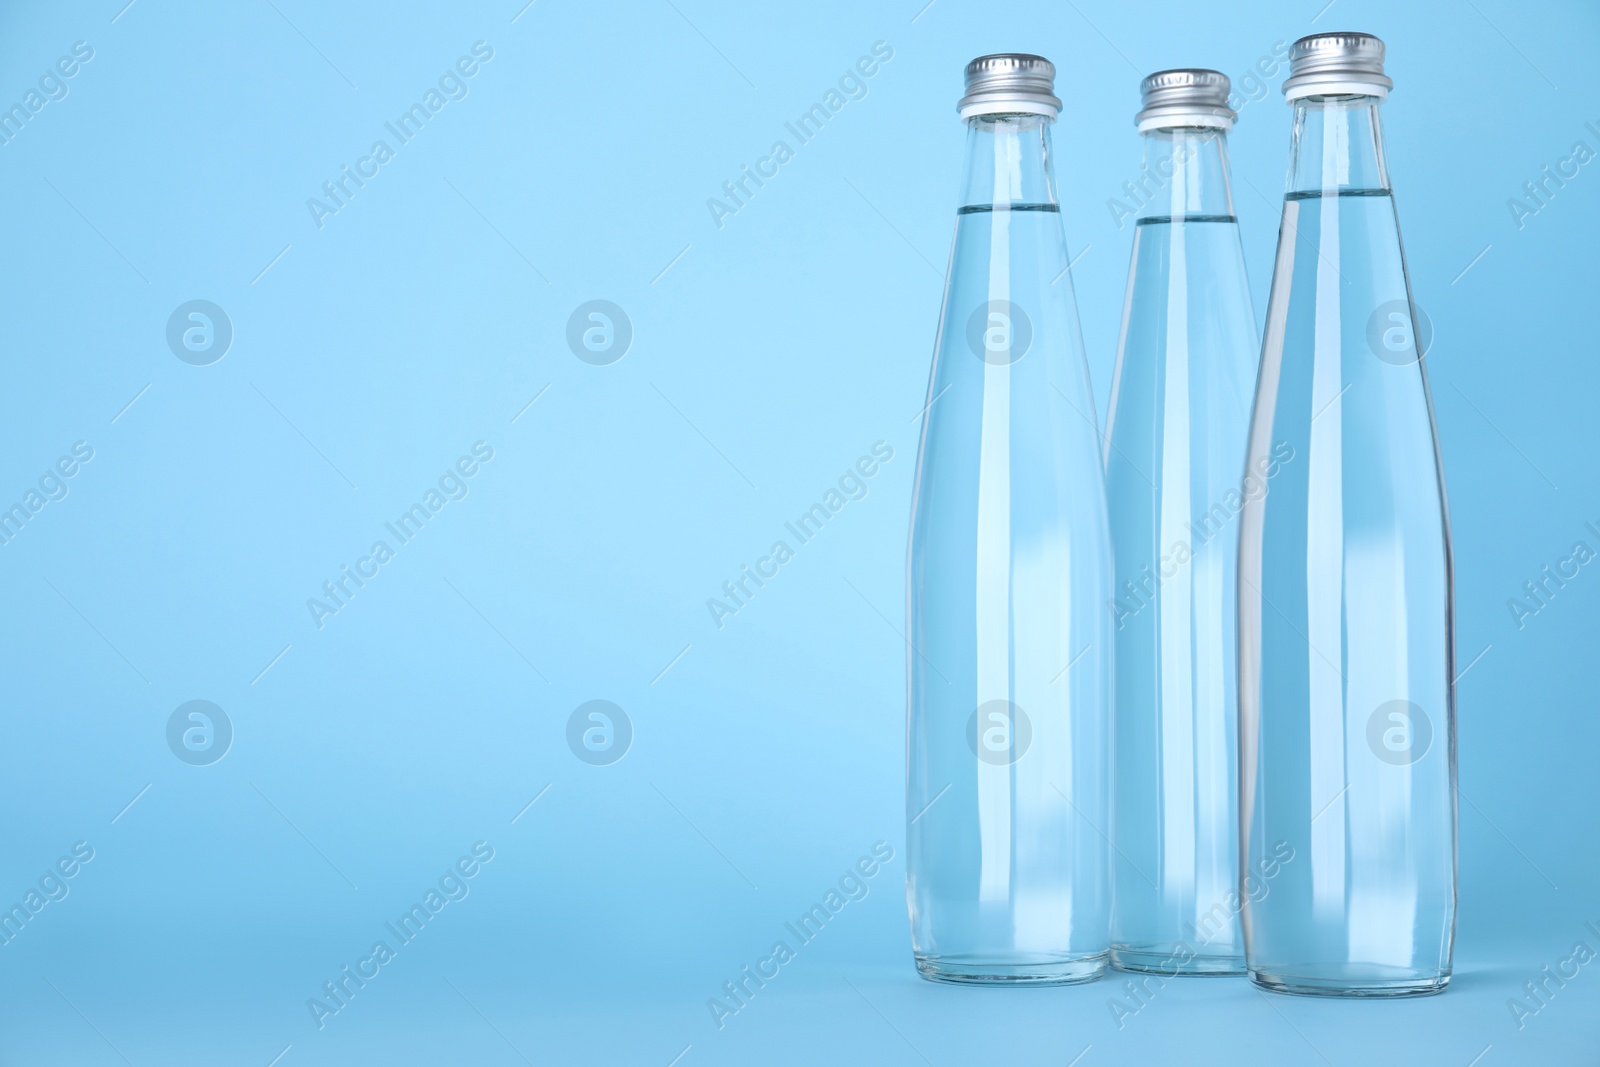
(1483, 977)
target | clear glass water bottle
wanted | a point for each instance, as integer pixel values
(1347, 701)
(1175, 483)
(1010, 565)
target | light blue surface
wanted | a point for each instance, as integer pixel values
(767, 355)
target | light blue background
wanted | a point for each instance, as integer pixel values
(768, 355)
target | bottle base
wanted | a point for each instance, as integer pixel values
(1044, 970)
(1171, 962)
(1336, 981)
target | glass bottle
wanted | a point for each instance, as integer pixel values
(1347, 699)
(1009, 654)
(1175, 452)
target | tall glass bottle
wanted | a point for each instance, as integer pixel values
(1010, 653)
(1347, 702)
(1175, 482)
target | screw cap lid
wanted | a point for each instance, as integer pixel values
(1331, 64)
(1010, 83)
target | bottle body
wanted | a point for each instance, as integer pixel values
(1347, 732)
(1009, 565)
(1175, 484)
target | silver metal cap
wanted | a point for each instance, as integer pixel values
(1330, 64)
(1187, 97)
(1010, 83)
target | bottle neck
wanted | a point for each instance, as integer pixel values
(1184, 175)
(1008, 162)
(1337, 146)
